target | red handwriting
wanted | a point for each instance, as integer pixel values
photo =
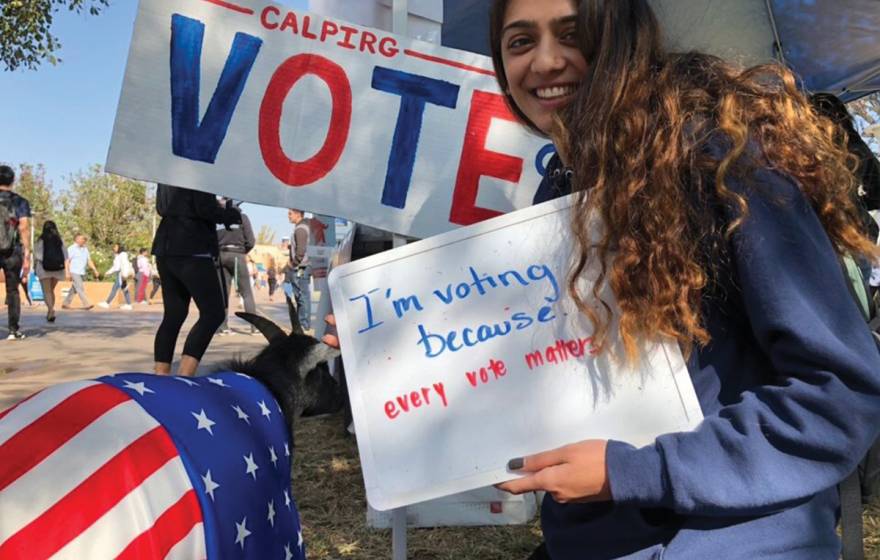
(414, 399)
(495, 367)
(307, 28)
(562, 351)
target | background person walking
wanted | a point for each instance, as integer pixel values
(124, 272)
(144, 272)
(50, 264)
(78, 257)
(235, 243)
(299, 263)
(15, 213)
(272, 278)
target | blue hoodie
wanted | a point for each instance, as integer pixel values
(790, 390)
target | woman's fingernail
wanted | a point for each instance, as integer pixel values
(515, 464)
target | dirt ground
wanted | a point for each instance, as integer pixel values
(88, 344)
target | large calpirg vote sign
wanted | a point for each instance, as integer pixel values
(463, 351)
(257, 102)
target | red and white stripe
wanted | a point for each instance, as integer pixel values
(85, 472)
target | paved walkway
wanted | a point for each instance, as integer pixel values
(88, 344)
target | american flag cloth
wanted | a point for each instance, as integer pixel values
(143, 466)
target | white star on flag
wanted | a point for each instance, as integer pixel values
(210, 485)
(251, 466)
(205, 423)
(286, 450)
(299, 539)
(241, 532)
(189, 382)
(241, 414)
(287, 554)
(287, 499)
(140, 388)
(217, 382)
(272, 456)
(272, 512)
(264, 410)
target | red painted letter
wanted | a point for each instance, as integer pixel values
(328, 29)
(299, 173)
(265, 20)
(349, 31)
(477, 161)
(388, 47)
(390, 411)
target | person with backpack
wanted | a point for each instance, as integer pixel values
(124, 272)
(235, 243)
(50, 259)
(15, 250)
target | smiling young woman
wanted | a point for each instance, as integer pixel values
(539, 68)
(725, 201)
(535, 47)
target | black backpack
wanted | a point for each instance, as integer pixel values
(863, 485)
(8, 224)
(53, 255)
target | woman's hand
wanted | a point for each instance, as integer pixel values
(574, 473)
(330, 339)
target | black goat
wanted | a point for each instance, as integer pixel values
(294, 369)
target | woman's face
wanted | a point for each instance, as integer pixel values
(543, 65)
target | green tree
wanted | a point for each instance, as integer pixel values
(31, 183)
(25, 29)
(266, 235)
(108, 209)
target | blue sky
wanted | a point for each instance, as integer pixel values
(62, 116)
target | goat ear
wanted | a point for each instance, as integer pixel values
(295, 325)
(316, 354)
(270, 330)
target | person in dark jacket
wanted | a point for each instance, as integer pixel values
(235, 243)
(185, 247)
(719, 231)
(868, 167)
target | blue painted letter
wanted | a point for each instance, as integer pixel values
(415, 91)
(190, 139)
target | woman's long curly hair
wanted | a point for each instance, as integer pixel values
(637, 138)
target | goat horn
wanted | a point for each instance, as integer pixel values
(270, 330)
(318, 353)
(295, 325)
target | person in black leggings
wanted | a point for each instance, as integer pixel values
(185, 247)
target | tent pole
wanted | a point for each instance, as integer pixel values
(399, 21)
(779, 50)
(400, 11)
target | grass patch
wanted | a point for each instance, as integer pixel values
(330, 495)
(872, 532)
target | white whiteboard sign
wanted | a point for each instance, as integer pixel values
(275, 106)
(463, 351)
